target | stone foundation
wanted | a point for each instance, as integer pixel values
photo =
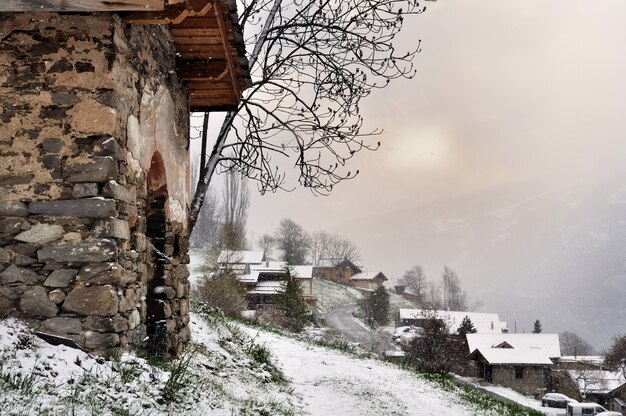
(93, 181)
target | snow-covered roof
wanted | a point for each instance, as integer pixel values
(597, 381)
(275, 268)
(546, 343)
(303, 272)
(487, 323)
(241, 257)
(591, 359)
(270, 287)
(329, 261)
(367, 276)
(512, 356)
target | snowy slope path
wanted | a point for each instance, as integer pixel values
(331, 383)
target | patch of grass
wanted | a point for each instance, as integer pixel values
(475, 398)
(27, 384)
(181, 378)
(265, 408)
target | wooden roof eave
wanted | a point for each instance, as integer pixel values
(206, 40)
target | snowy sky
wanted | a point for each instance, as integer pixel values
(502, 158)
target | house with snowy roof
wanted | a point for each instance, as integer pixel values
(265, 278)
(336, 270)
(607, 388)
(485, 323)
(519, 361)
(367, 280)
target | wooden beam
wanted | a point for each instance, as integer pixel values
(210, 51)
(210, 94)
(219, 15)
(198, 40)
(81, 5)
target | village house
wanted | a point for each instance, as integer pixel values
(519, 361)
(484, 323)
(264, 279)
(607, 388)
(95, 98)
(367, 280)
(336, 270)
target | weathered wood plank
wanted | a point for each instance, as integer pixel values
(192, 32)
(81, 5)
(198, 40)
(210, 94)
(213, 51)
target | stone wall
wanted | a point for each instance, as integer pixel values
(87, 105)
(533, 378)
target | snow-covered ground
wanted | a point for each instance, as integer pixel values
(331, 383)
(231, 369)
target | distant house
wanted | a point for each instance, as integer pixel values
(408, 294)
(607, 388)
(519, 361)
(367, 280)
(336, 270)
(485, 323)
(264, 278)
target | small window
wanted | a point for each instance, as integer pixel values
(519, 372)
(587, 411)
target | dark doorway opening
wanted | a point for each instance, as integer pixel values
(156, 229)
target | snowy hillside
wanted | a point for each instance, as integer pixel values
(229, 369)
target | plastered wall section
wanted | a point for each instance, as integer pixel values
(85, 102)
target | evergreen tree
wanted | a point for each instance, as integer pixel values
(375, 307)
(537, 327)
(292, 304)
(466, 327)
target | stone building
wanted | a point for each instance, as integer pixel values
(95, 99)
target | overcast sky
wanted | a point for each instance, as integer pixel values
(517, 105)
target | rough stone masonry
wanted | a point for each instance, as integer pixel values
(93, 181)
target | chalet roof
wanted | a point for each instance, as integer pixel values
(274, 269)
(241, 257)
(485, 323)
(271, 287)
(368, 276)
(338, 262)
(210, 51)
(597, 381)
(548, 344)
(512, 356)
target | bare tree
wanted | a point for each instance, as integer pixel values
(414, 279)
(574, 344)
(311, 63)
(319, 247)
(433, 300)
(266, 243)
(342, 248)
(207, 230)
(293, 241)
(235, 204)
(454, 298)
(333, 247)
(615, 355)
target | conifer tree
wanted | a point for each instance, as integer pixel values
(537, 327)
(291, 302)
(375, 306)
(466, 327)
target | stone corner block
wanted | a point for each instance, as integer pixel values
(111, 227)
